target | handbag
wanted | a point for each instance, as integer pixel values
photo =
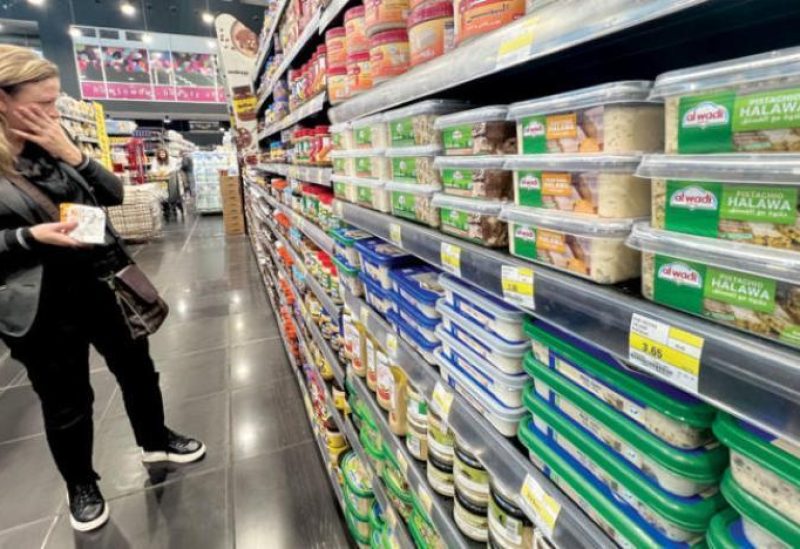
(142, 307)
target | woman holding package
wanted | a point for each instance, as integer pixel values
(57, 295)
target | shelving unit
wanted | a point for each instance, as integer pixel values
(330, 13)
(308, 174)
(266, 46)
(309, 108)
(278, 169)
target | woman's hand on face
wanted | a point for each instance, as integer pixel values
(47, 132)
(56, 234)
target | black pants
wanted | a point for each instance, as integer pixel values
(73, 315)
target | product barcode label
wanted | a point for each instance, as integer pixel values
(451, 258)
(540, 505)
(396, 234)
(518, 286)
(517, 48)
(666, 351)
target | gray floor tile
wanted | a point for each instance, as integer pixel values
(258, 362)
(245, 327)
(189, 337)
(25, 536)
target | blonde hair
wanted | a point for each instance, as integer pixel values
(18, 66)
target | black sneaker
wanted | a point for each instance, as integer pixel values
(87, 507)
(180, 449)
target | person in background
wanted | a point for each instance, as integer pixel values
(165, 168)
(187, 169)
(55, 298)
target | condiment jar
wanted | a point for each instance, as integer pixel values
(471, 478)
(337, 84)
(388, 54)
(356, 36)
(336, 49)
(509, 527)
(383, 15)
(430, 31)
(359, 75)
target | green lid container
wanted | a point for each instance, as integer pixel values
(351, 525)
(348, 501)
(375, 518)
(393, 479)
(423, 532)
(682, 472)
(348, 269)
(719, 531)
(355, 476)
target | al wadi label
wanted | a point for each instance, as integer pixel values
(706, 114)
(681, 274)
(694, 198)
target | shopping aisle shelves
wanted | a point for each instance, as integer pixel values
(266, 46)
(278, 169)
(308, 174)
(309, 108)
(317, 235)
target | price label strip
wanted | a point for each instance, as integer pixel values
(540, 505)
(396, 234)
(391, 344)
(518, 286)
(451, 258)
(517, 47)
(668, 352)
(443, 400)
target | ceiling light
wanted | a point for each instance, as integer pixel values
(75, 32)
(36, 2)
(146, 38)
(127, 9)
(212, 44)
(208, 18)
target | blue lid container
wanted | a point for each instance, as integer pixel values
(419, 285)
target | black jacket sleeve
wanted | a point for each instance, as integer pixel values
(107, 187)
(15, 242)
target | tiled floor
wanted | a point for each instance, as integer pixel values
(225, 379)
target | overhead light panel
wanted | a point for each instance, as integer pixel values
(208, 18)
(212, 44)
(128, 9)
(36, 2)
(75, 32)
(147, 38)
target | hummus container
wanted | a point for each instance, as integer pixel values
(440, 477)
(611, 118)
(414, 164)
(483, 131)
(592, 248)
(388, 54)
(763, 526)
(684, 473)
(679, 519)
(359, 523)
(762, 465)
(509, 526)
(370, 132)
(472, 219)
(411, 334)
(745, 198)
(753, 288)
(426, 327)
(494, 315)
(471, 477)
(398, 491)
(615, 515)
(343, 187)
(504, 388)
(379, 258)
(358, 487)
(413, 125)
(471, 518)
(501, 354)
(342, 138)
(344, 240)
(419, 286)
(430, 30)
(377, 297)
(344, 162)
(670, 414)
(371, 194)
(475, 177)
(503, 418)
(476, 17)
(726, 531)
(601, 185)
(348, 275)
(384, 15)
(747, 104)
(413, 201)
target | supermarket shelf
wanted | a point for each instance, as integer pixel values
(263, 52)
(84, 139)
(280, 169)
(317, 235)
(441, 510)
(330, 13)
(309, 108)
(311, 174)
(330, 307)
(507, 464)
(330, 354)
(749, 377)
(555, 27)
(76, 118)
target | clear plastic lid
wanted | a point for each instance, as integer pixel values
(369, 152)
(421, 150)
(629, 91)
(568, 222)
(432, 106)
(368, 121)
(342, 179)
(364, 182)
(756, 260)
(482, 207)
(339, 128)
(351, 153)
(494, 113)
(413, 188)
(493, 162)
(574, 162)
(514, 381)
(783, 66)
(773, 169)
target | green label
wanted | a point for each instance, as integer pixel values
(404, 204)
(693, 207)
(457, 178)
(525, 241)
(705, 123)
(404, 168)
(339, 189)
(364, 136)
(402, 132)
(679, 283)
(534, 134)
(364, 195)
(529, 188)
(455, 218)
(364, 165)
(759, 204)
(336, 139)
(746, 291)
(772, 110)
(338, 165)
(458, 137)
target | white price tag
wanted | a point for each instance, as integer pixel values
(391, 345)
(518, 286)
(665, 351)
(451, 258)
(517, 47)
(396, 234)
(540, 505)
(364, 315)
(443, 399)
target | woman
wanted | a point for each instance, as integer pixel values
(53, 300)
(164, 166)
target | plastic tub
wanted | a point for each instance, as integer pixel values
(753, 288)
(371, 194)
(417, 440)
(471, 477)
(471, 518)
(766, 467)
(344, 240)
(379, 258)
(413, 125)
(726, 531)
(739, 105)
(684, 473)
(494, 315)
(483, 131)
(745, 198)
(342, 138)
(359, 73)
(610, 118)
(618, 518)
(413, 201)
(388, 54)
(357, 485)
(344, 162)
(355, 25)
(441, 440)
(675, 417)
(372, 164)
(410, 334)
(423, 533)
(343, 188)
(472, 219)
(592, 248)
(509, 526)
(363, 542)
(440, 477)
(763, 526)
(475, 176)
(430, 30)
(600, 185)
(414, 164)
(476, 17)
(502, 387)
(426, 327)
(370, 132)
(376, 296)
(348, 275)
(419, 286)
(503, 355)
(503, 418)
(385, 15)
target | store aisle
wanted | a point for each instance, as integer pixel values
(226, 380)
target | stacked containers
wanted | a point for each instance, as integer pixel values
(336, 44)
(378, 259)
(430, 30)
(359, 74)
(358, 497)
(476, 17)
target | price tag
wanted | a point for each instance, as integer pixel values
(518, 286)
(425, 499)
(443, 399)
(396, 234)
(540, 505)
(402, 463)
(364, 315)
(517, 47)
(391, 344)
(666, 351)
(451, 258)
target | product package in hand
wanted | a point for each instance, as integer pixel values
(91, 222)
